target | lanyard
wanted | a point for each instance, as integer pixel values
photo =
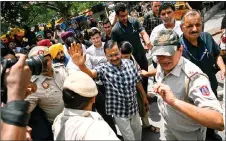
(134, 30)
(188, 52)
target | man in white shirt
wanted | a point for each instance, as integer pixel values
(166, 13)
(77, 121)
(96, 50)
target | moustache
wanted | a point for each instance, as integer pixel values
(194, 32)
(61, 59)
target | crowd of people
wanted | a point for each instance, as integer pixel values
(97, 79)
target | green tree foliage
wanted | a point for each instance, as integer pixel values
(81, 6)
(61, 7)
(40, 14)
(19, 13)
(67, 9)
(14, 12)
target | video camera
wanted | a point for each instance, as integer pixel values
(37, 65)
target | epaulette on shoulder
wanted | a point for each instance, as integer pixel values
(192, 72)
(192, 75)
(58, 65)
(34, 78)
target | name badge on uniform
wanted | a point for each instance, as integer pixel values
(45, 85)
(204, 90)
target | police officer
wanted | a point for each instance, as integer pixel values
(202, 50)
(185, 97)
(77, 121)
(49, 86)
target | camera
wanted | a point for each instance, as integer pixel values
(37, 65)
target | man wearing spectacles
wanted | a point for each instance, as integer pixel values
(129, 29)
(202, 50)
(121, 80)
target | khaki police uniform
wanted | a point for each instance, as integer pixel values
(177, 126)
(74, 124)
(49, 92)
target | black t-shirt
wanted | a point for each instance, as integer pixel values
(105, 38)
(131, 33)
(196, 5)
(223, 23)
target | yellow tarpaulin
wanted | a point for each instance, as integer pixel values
(13, 31)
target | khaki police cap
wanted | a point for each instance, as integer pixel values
(38, 50)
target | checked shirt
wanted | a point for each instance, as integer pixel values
(150, 22)
(120, 87)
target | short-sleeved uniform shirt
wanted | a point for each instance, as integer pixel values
(49, 92)
(120, 87)
(129, 33)
(205, 41)
(200, 94)
(74, 124)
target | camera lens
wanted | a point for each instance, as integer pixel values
(35, 64)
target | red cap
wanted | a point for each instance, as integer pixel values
(45, 42)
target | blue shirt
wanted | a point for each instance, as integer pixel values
(204, 61)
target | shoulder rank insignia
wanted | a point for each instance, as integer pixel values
(58, 65)
(33, 78)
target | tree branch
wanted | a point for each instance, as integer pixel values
(33, 18)
(47, 5)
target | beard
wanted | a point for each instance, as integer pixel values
(60, 60)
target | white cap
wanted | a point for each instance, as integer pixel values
(81, 83)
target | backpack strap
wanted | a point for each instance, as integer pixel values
(190, 75)
(188, 79)
(187, 82)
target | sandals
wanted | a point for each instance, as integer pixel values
(153, 129)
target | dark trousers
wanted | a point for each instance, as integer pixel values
(143, 63)
(41, 128)
(99, 105)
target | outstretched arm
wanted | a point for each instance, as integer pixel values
(79, 59)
